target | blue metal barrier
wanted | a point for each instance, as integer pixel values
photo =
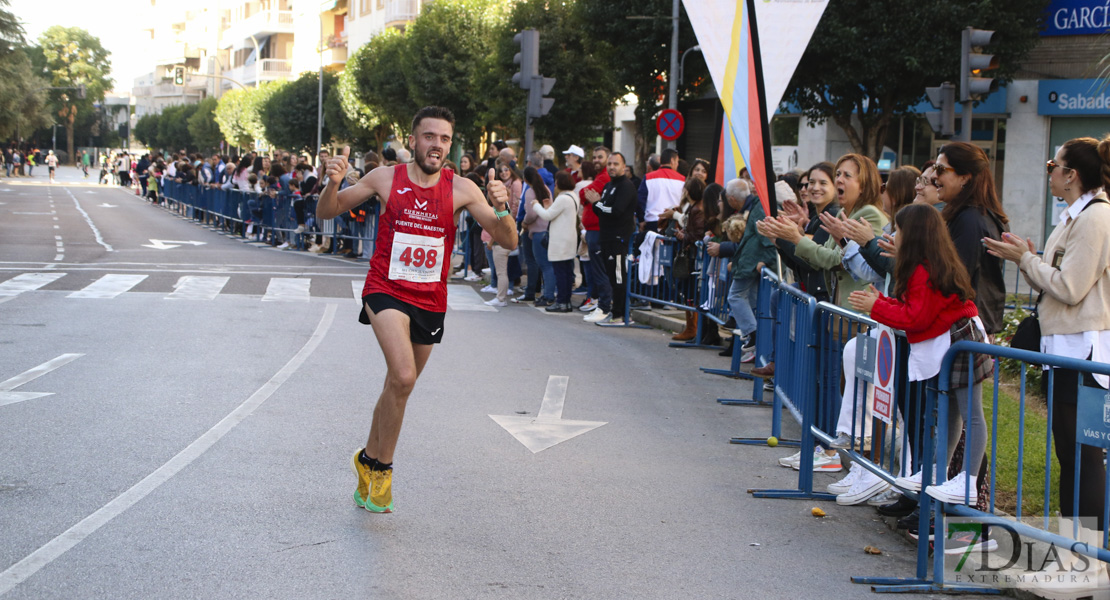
(941, 423)
(795, 354)
(764, 347)
(695, 291)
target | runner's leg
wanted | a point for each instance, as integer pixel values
(404, 363)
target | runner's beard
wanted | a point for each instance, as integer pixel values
(421, 159)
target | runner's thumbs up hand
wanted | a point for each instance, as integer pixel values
(337, 166)
(496, 191)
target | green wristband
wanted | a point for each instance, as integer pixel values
(501, 213)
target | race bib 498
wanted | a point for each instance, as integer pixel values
(416, 258)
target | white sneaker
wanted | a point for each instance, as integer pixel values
(496, 302)
(489, 289)
(299, 229)
(747, 356)
(847, 481)
(588, 305)
(283, 246)
(890, 495)
(795, 459)
(866, 486)
(823, 463)
(952, 491)
(473, 277)
(596, 316)
(911, 483)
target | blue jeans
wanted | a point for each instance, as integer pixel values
(539, 248)
(492, 269)
(599, 281)
(742, 296)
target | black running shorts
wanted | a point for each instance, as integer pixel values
(425, 326)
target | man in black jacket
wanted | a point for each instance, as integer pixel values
(615, 208)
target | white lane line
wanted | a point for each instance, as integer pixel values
(108, 287)
(198, 288)
(7, 396)
(24, 569)
(463, 297)
(96, 232)
(356, 289)
(27, 282)
(59, 257)
(287, 289)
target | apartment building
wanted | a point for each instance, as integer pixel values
(255, 42)
(177, 36)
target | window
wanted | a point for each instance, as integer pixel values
(365, 6)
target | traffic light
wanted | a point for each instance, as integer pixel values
(528, 58)
(943, 98)
(82, 91)
(972, 63)
(179, 75)
(538, 102)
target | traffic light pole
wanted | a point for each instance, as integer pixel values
(965, 93)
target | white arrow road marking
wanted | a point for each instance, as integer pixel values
(548, 427)
(27, 282)
(7, 396)
(106, 205)
(167, 244)
(108, 287)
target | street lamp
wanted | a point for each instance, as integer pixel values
(682, 63)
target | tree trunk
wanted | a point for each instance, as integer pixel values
(69, 135)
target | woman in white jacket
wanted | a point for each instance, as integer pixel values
(562, 230)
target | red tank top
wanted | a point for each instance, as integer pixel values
(416, 234)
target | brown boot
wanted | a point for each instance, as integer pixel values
(691, 328)
(765, 371)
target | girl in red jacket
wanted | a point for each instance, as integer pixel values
(933, 303)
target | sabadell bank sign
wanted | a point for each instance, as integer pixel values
(1077, 17)
(1073, 97)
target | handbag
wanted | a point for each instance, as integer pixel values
(683, 265)
(1027, 336)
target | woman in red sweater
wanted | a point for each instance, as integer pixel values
(933, 303)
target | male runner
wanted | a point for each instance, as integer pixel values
(405, 296)
(52, 163)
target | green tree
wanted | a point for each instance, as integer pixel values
(872, 61)
(75, 57)
(11, 30)
(443, 60)
(203, 127)
(640, 58)
(377, 74)
(239, 113)
(173, 128)
(146, 130)
(586, 87)
(289, 116)
(22, 99)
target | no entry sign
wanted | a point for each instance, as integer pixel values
(670, 124)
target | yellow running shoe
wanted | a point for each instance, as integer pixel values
(381, 492)
(365, 475)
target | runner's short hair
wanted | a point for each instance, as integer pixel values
(432, 112)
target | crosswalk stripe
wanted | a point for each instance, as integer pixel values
(27, 282)
(192, 287)
(286, 289)
(108, 286)
(463, 297)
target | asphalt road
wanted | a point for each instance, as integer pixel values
(197, 445)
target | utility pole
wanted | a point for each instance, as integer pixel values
(672, 96)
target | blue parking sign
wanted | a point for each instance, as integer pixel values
(1092, 417)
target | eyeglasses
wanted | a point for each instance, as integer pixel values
(1051, 165)
(926, 181)
(941, 169)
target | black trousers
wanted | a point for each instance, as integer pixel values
(614, 254)
(1092, 472)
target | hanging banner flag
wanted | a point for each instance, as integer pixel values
(752, 49)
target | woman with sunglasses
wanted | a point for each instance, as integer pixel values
(1074, 308)
(925, 191)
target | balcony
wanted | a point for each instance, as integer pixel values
(401, 12)
(267, 69)
(262, 23)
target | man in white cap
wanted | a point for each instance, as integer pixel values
(573, 157)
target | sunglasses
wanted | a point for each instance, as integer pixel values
(1051, 165)
(941, 169)
(924, 181)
